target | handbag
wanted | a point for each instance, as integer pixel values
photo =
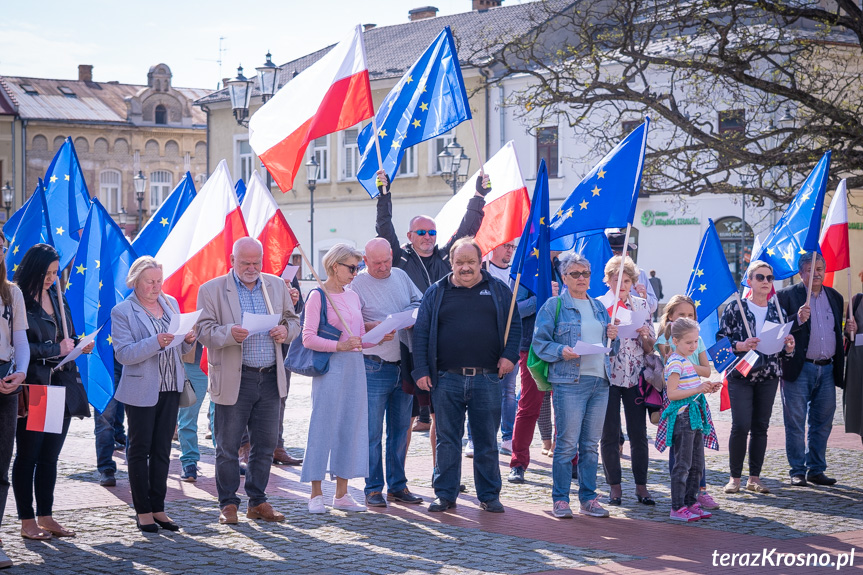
(308, 362)
(188, 397)
(537, 367)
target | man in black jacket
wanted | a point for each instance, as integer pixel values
(811, 375)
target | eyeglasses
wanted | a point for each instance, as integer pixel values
(762, 277)
(508, 246)
(576, 275)
(421, 233)
(352, 269)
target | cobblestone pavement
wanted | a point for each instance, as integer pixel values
(408, 540)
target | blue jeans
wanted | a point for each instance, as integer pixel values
(579, 414)
(257, 407)
(480, 396)
(187, 421)
(508, 405)
(812, 392)
(385, 395)
(105, 430)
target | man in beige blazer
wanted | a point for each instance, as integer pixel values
(246, 374)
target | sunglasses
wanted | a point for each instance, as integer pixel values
(421, 233)
(576, 275)
(762, 277)
(352, 269)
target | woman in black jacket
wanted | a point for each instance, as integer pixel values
(35, 467)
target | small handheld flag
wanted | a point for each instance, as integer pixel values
(721, 354)
(46, 407)
(744, 366)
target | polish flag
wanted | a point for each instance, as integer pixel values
(744, 366)
(834, 235)
(507, 205)
(724, 397)
(266, 222)
(47, 405)
(330, 95)
(198, 249)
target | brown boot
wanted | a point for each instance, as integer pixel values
(228, 515)
(281, 457)
(264, 511)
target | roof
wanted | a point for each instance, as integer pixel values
(392, 50)
(7, 103)
(90, 102)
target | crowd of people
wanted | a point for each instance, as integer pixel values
(460, 360)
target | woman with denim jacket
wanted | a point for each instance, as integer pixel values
(579, 383)
(752, 396)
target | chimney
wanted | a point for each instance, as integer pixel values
(422, 13)
(367, 27)
(480, 5)
(85, 73)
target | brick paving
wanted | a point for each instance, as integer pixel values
(408, 540)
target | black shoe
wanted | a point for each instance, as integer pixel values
(404, 496)
(440, 504)
(493, 506)
(574, 472)
(167, 525)
(107, 479)
(462, 488)
(119, 446)
(821, 479)
(516, 475)
(375, 499)
(149, 528)
(798, 481)
(190, 473)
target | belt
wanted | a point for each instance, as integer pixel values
(820, 361)
(381, 360)
(269, 369)
(471, 371)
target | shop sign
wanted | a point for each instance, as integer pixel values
(650, 218)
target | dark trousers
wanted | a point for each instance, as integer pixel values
(688, 446)
(148, 451)
(636, 428)
(104, 424)
(35, 469)
(751, 406)
(8, 420)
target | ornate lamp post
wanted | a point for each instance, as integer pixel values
(140, 181)
(268, 78)
(240, 90)
(454, 165)
(8, 196)
(312, 172)
(123, 219)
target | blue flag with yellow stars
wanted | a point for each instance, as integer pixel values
(711, 281)
(240, 188)
(797, 231)
(68, 201)
(596, 249)
(96, 284)
(708, 328)
(532, 258)
(153, 234)
(33, 228)
(721, 354)
(607, 195)
(429, 100)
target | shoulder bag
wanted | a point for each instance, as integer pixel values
(308, 362)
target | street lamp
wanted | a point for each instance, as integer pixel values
(240, 90)
(123, 219)
(140, 185)
(8, 196)
(454, 165)
(268, 78)
(312, 172)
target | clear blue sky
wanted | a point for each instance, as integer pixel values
(49, 38)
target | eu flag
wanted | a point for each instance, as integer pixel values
(721, 354)
(11, 224)
(532, 258)
(797, 231)
(711, 281)
(154, 232)
(607, 195)
(240, 188)
(98, 283)
(68, 201)
(596, 249)
(429, 100)
(708, 327)
(33, 228)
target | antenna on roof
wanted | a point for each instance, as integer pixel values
(217, 61)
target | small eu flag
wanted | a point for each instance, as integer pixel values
(711, 281)
(721, 354)
(532, 258)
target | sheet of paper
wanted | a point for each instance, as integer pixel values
(181, 324)
(290, 272)
(260, 322)
(84, 342)
(624, 315)
(859, 339)
(394, 321)
(772, 337)
(629, 330)
(582, 348)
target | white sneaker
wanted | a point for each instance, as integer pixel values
(347, 503)
(316, 505)
(468, 451)
(506, 446)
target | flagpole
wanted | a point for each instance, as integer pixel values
(323, 289)
(62, 310)
(377, 143)
(623, 257)
(478, 152)
(811, 276)
(512, 307)
(743, 314)
(850, 298)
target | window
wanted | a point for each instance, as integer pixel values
(321, 151)
(408, 166)
(160, 186)
(109, 191)
(546, 149)
(29, 89)
(245, 160)
(436, 146)
(350, 153)
(66, 92)
(161, 115)
(732, 126)
(627, 126)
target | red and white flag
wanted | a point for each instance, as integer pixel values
(834, 235)
(744, 366)
(198, 249)
(507, 205)
(330, 95)
(47, 405)
(266, 222)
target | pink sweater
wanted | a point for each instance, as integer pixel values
(349, 306)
